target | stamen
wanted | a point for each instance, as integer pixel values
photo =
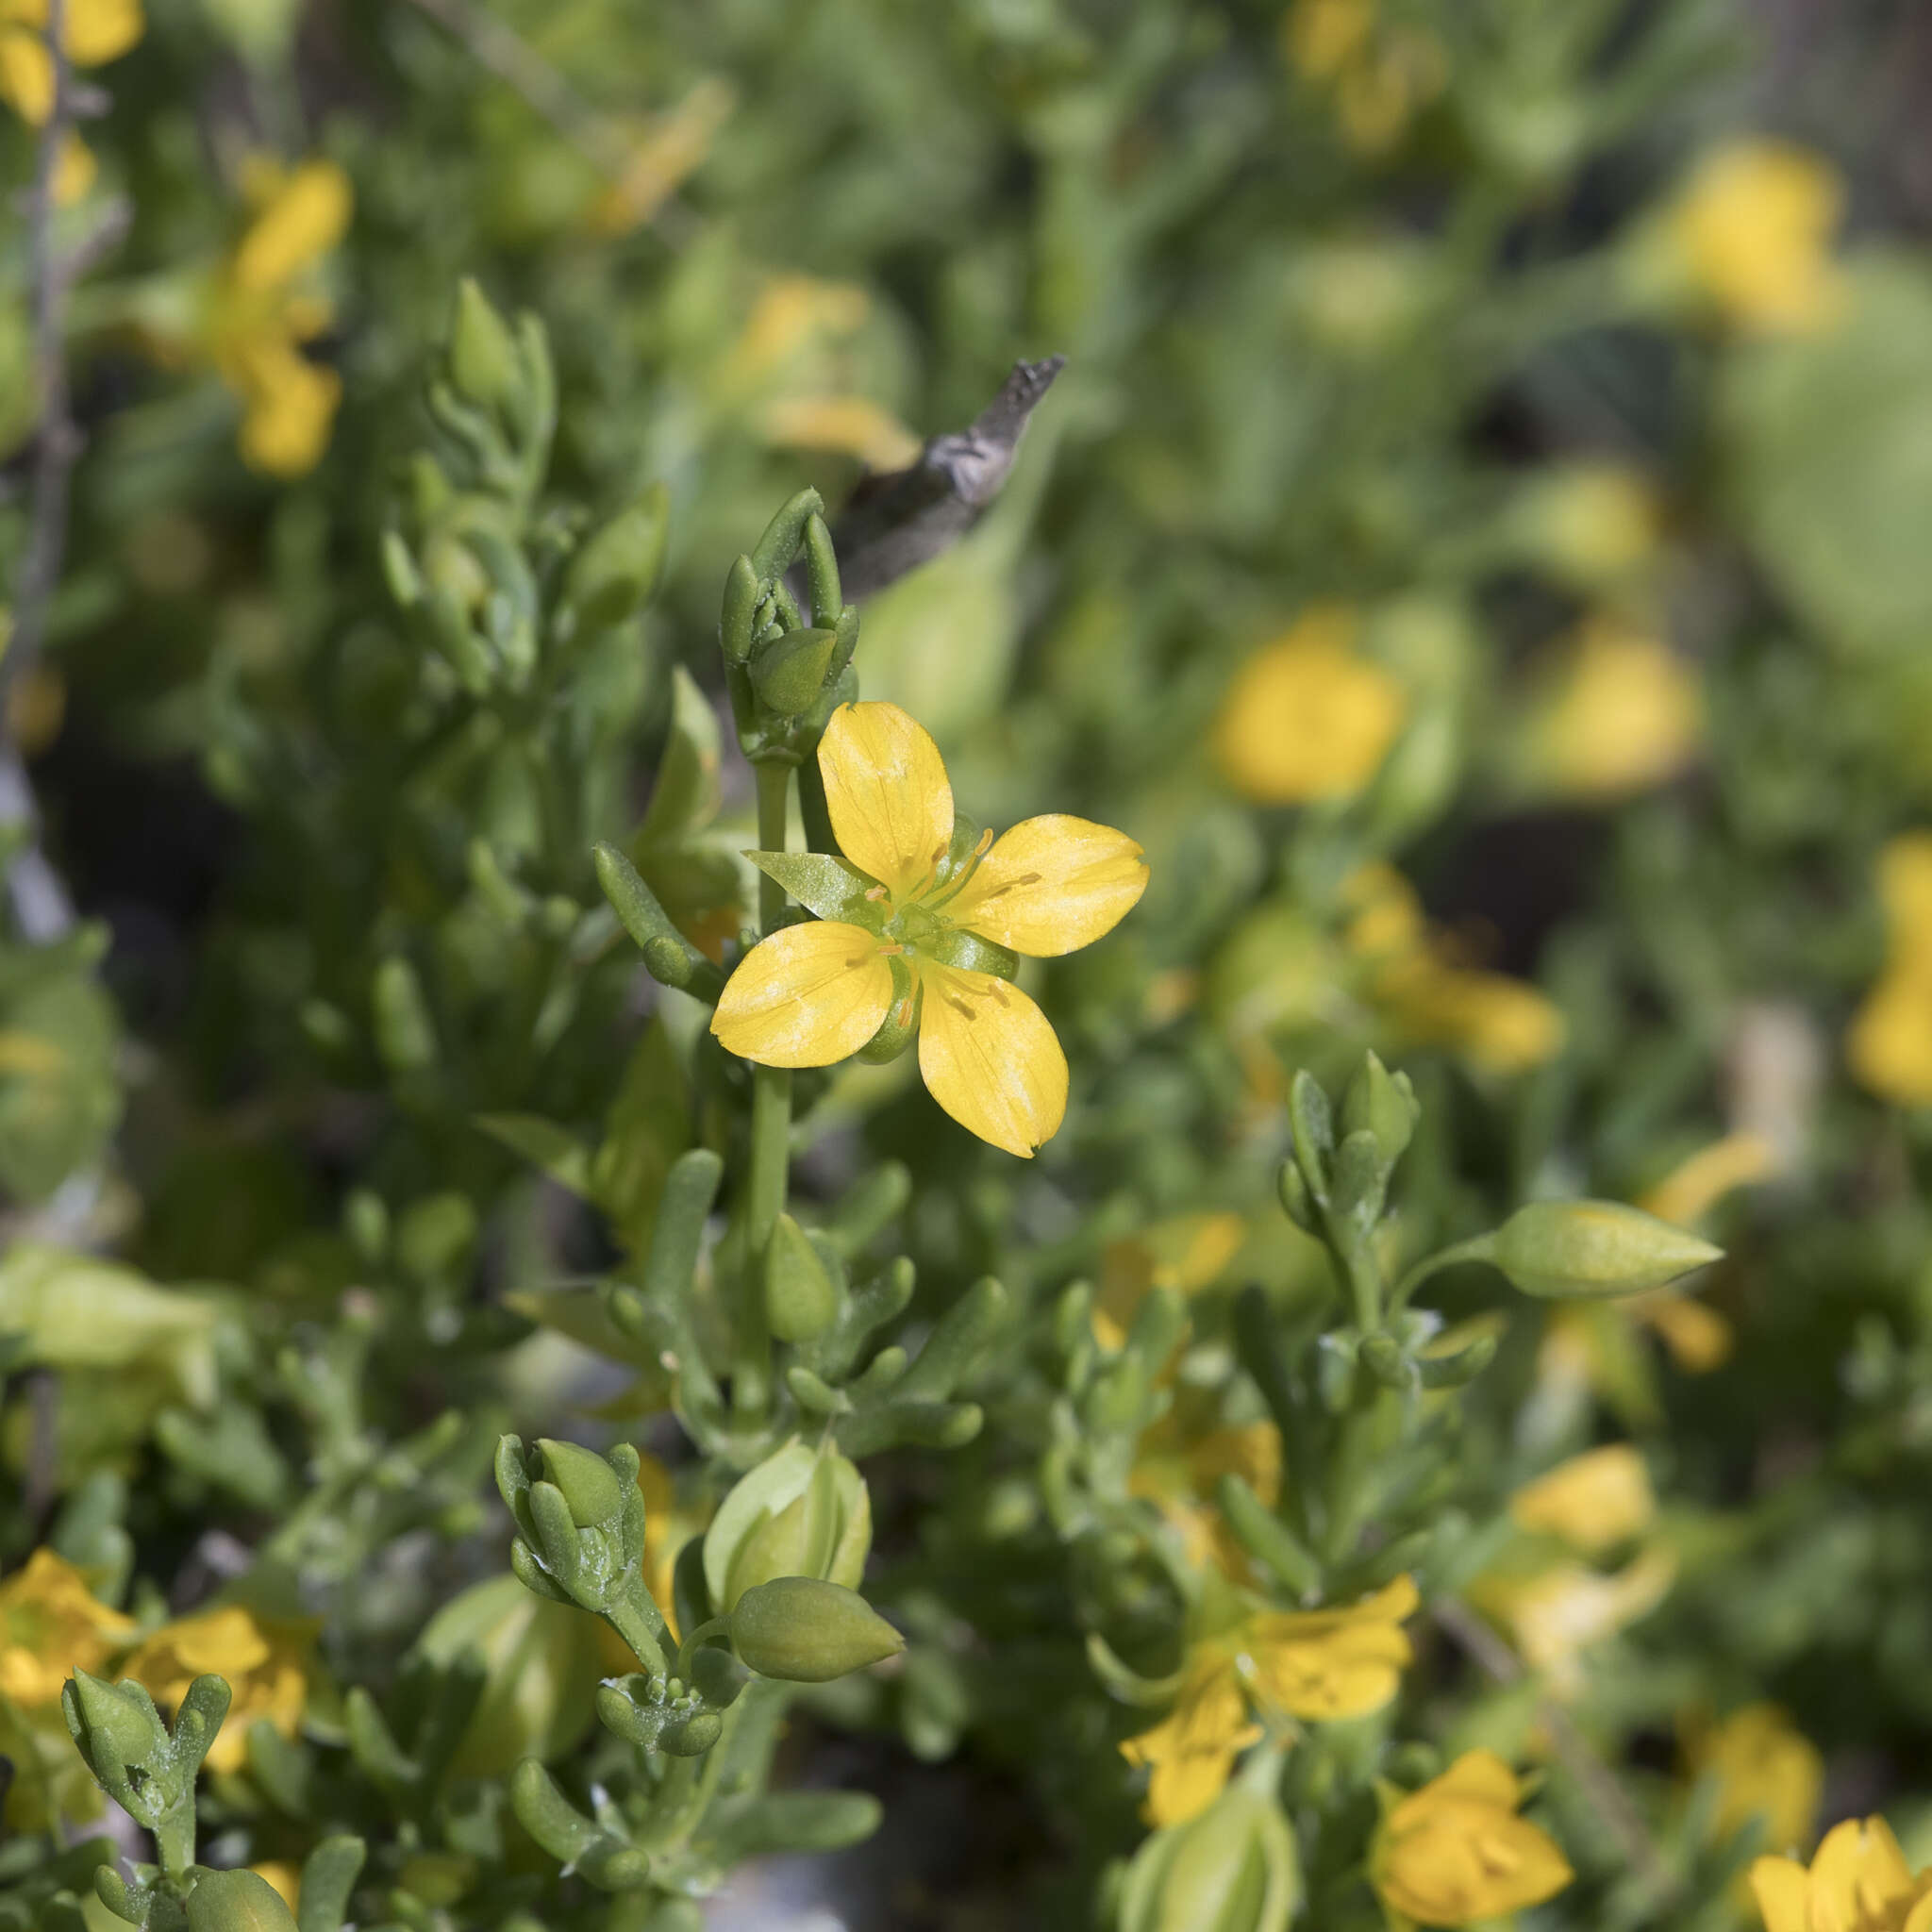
(953, 1000)
(876, 894)
(904, 1016)
(966, 871)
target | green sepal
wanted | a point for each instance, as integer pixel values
(900, 1028)
(792, 671)
(828, 885)
(970, 953)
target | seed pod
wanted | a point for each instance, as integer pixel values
(807, 1631)
(1586, 1250)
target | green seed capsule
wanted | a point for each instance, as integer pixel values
(1585, 1250)
(805, 1631)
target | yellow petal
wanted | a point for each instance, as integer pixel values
(1858, 1871)
(1480, 1776)
(1052, 885)
(1783, 1892)
(27, 76)
(990, 1058)
(101, 30)
(806, 996)
(308, 216)
(886, 787)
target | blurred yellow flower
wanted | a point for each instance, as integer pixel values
(1191, 1752)
(1176, 1468)
(813, 994)
(1410, 971)
(95, 32)
(1187, 1252)
(1858, 1882)
(1765, 1768)
(262, 307)
(1454, 1853)
(1593, 1502)
(1381, 76)
(1751, 233)
(1555, 1613)
(851, 425)
(663, 155)
(1697, 1184)
(1590, 525)
(284, 1877)
(52, 1624)
(1624, 714)
(1890, 1044)
(266, 1664)
(1307, 717)
(1315, 1665)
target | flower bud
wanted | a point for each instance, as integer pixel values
(807, 1631)
(799, 1513)
(114, 1724)
(801, 1299)
(238, 1900)
(1233, 1869)
(1583, 1250)
(483, 361)
(1384, 1104)
(790, 671)
(587, 1482)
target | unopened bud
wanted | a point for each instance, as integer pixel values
(1233, 1869)
(483, 361)
(1384, 1104)
(1582, 1250)
(801, 1512)
(114, 1724)
(790, 671)
(588, 1483)
(801, 1299)
(808, 1631)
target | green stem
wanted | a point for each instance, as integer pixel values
(771, 1138)
(631, 1622)
(716, 1627)
(1479, 1247)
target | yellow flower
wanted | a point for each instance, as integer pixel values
(1859, 1882)
(1752, 232)
(1764, 1768)
(666, 154)
(1593, 1502)
(51, 1625)
(1890, 1044)
(1315, 1665)
(1555, 1614)
(1454, 1853)
(1191, 1752)
(1590, 524)
(96, 31)
(265, 1662)
(284, 1878)
(851, 425)
(1380, 77)
(944, 925)
(1697, 1185)
(1625, 713)
(1175, 1469)
(1306, 717)
(1411, 972)
(1188, 1253)
(262, 310)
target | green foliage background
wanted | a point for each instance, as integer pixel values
(350, 1058)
